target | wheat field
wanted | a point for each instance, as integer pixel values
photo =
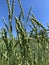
(27, 48)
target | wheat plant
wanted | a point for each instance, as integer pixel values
(27, 48)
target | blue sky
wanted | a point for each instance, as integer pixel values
(39, 7)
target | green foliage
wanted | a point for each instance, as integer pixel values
(27, 48)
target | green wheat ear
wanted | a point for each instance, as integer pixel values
(29, 13)
(5, 23)
(35, 21)
(10, 13)
(22, 12)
